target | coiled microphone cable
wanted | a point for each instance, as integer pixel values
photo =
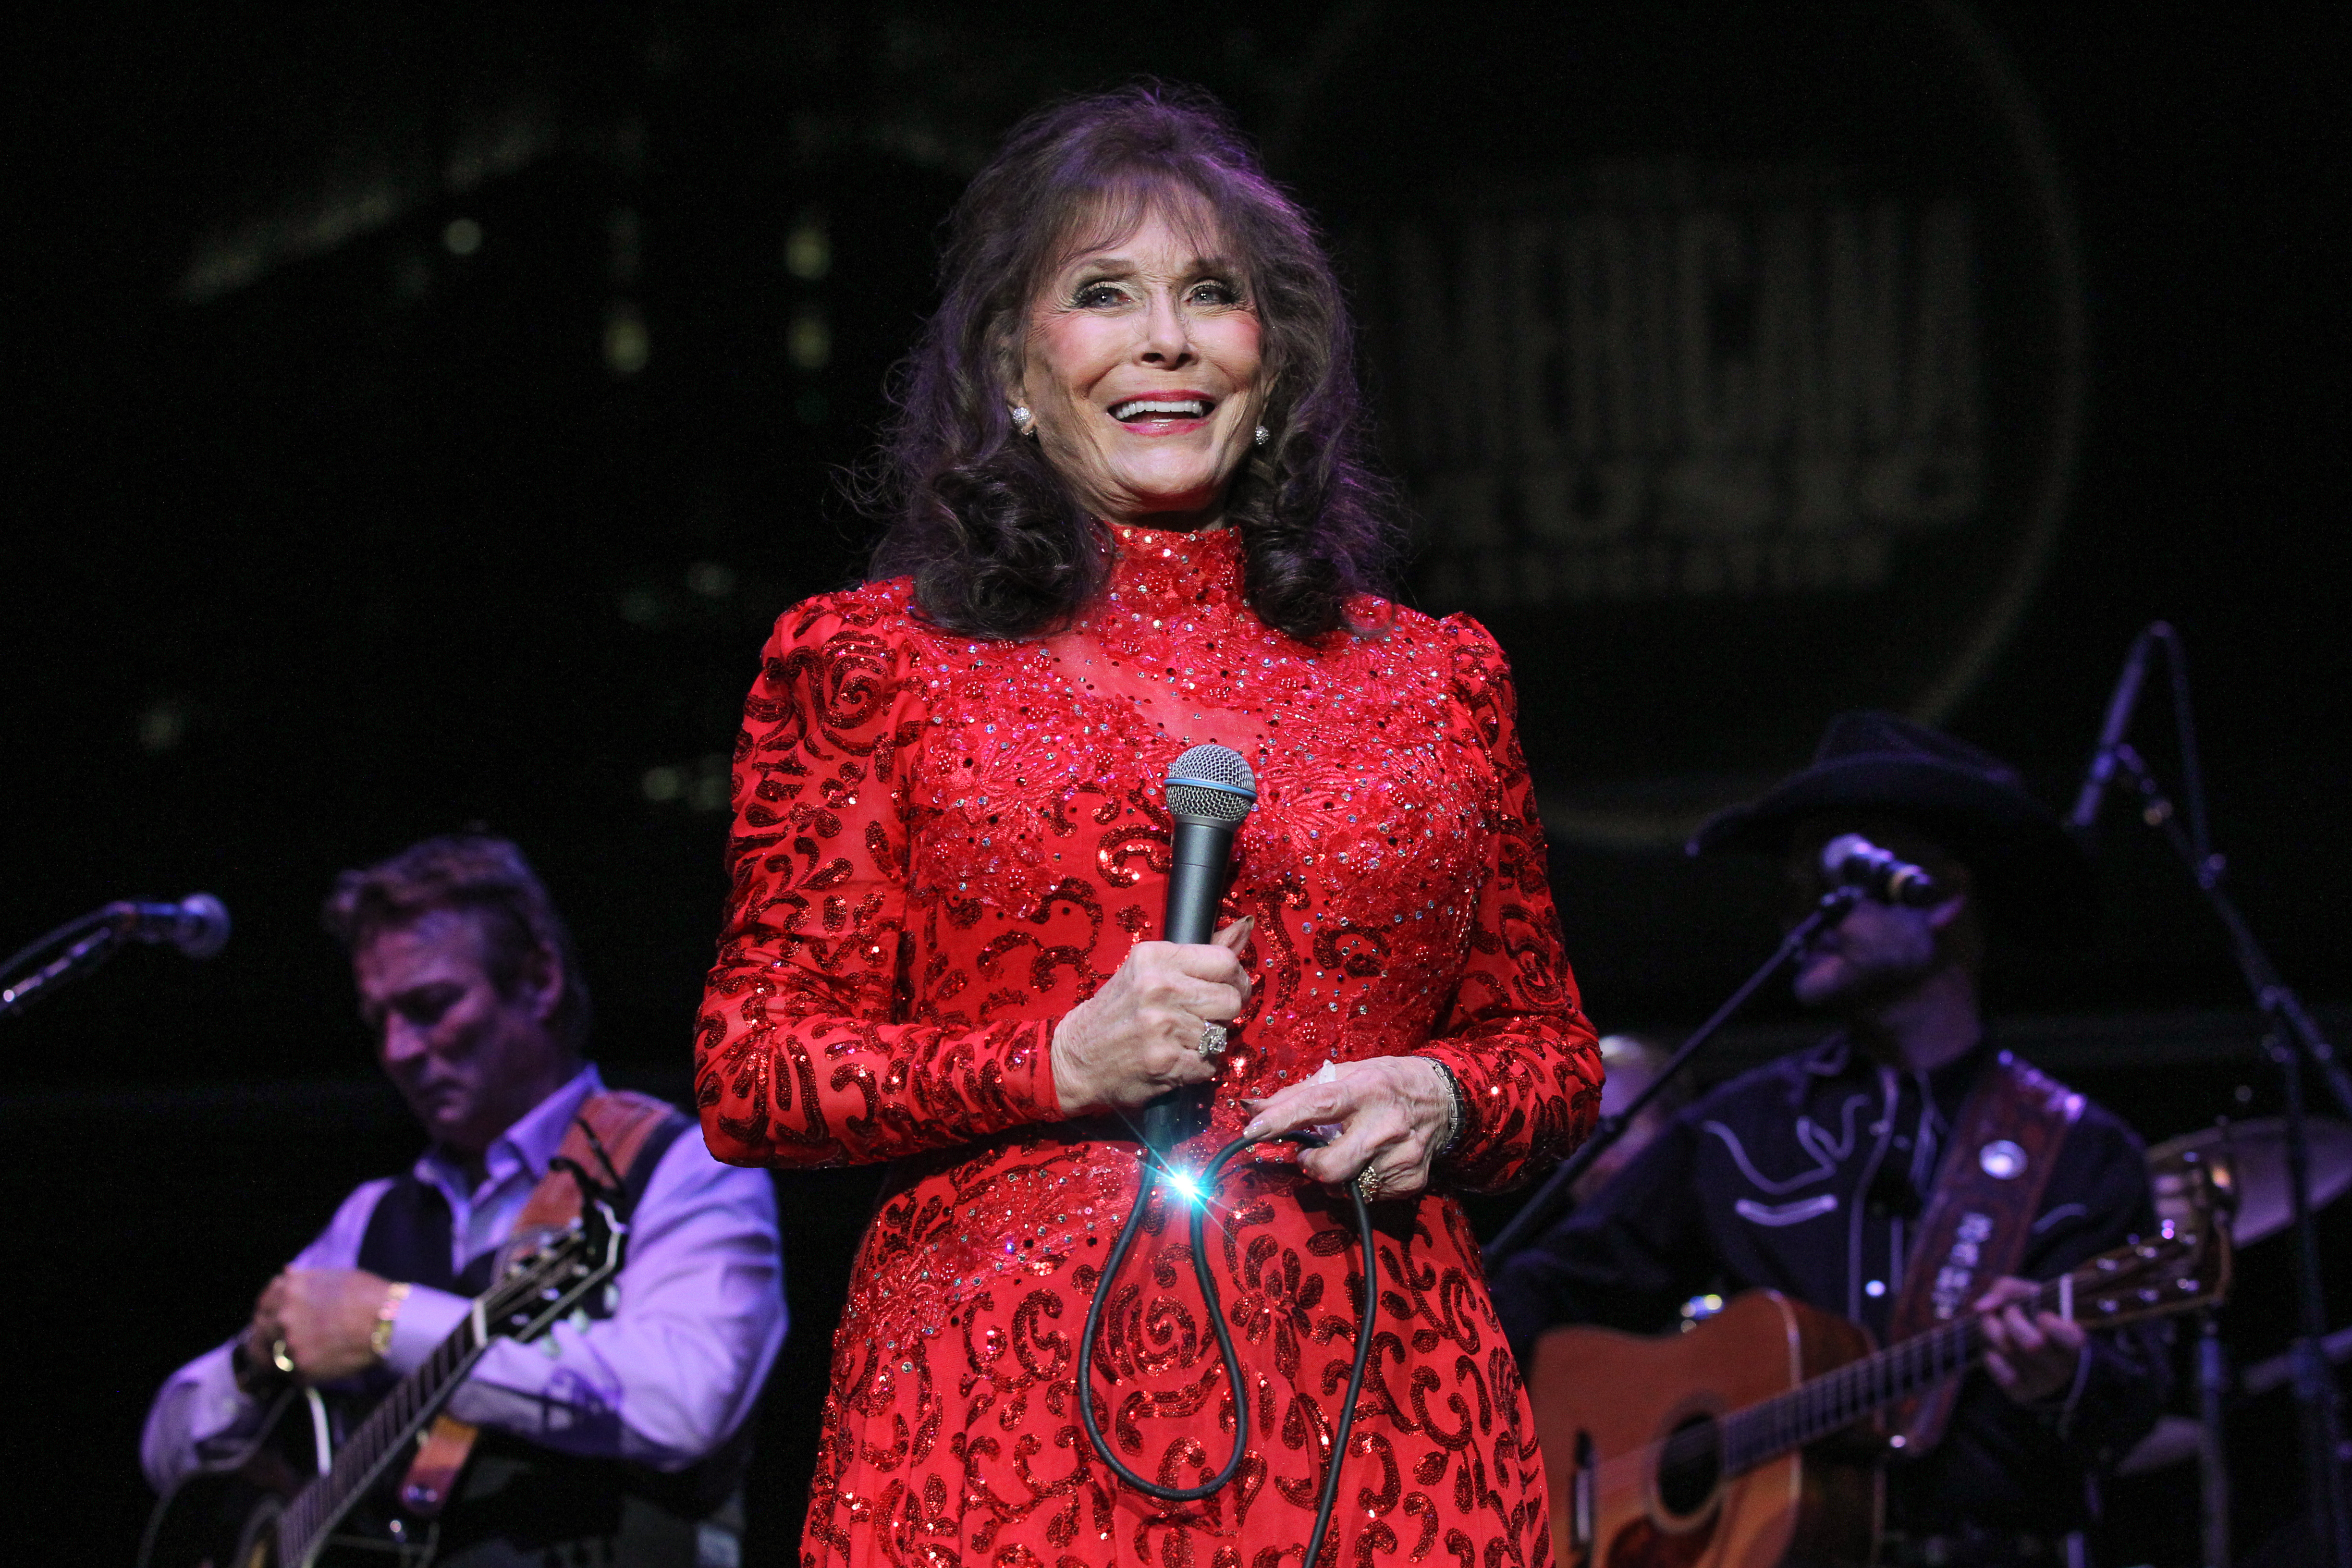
(1366, 1313)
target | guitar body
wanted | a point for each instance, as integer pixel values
(309, 1493)
(229, 1517)
(1604, 1401)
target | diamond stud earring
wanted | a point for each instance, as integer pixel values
(1262, 437)
(1022, 420)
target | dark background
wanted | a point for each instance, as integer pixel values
(381, 542)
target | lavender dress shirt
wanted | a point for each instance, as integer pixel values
(663, 1382)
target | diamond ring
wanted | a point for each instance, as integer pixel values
(1368, 1184)
(1213, 1041)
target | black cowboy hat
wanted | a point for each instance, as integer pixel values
(2034, 880)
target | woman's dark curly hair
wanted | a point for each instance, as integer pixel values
(996, 543)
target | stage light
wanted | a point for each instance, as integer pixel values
(627, 343)
(163, 726)
(810, 341)
(808, 248)
(1185, 1185)
(463, 236)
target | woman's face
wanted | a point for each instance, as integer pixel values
(1140, 368)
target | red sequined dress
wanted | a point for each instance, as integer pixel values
(941, 846)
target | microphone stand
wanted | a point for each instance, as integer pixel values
(2292, 1039)
(1556, 1195)
(92, 950)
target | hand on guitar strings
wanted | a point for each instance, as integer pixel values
(2034, 1360)
(324, 1318)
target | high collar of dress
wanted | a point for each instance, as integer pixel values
(1157, 570)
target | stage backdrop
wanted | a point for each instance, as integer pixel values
(1731, 356)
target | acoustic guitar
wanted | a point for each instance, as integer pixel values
(303, 1495)
(1742, 1443)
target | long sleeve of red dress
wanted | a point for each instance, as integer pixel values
(808, 1056)
(941, 846)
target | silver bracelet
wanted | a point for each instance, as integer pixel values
(1455, 1115)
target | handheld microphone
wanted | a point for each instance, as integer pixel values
(1210, 790)
(2120, 707)
(1850, 860)
(197, 925)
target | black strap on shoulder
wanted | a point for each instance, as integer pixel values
(640, 1174)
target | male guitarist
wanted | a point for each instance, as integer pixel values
(1812, 1174)
(614, 1439)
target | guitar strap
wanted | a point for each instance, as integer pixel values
(617, 1126)
(1989, 1187)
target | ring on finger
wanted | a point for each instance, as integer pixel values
(1368, 1184)
(1213, 1041)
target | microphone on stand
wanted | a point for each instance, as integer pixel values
(1850, 860)
(2120, 707)
(1210, 790)
(197, 925)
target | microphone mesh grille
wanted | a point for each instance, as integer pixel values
(1211, 784)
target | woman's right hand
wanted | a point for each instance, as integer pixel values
(1140, 1035)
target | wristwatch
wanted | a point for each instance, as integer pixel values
(379, 1336)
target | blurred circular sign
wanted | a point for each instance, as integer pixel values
(1731, 356)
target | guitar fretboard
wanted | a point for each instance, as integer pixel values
(1836, 1400)
(394, 1420)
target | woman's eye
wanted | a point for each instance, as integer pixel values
(1099, 294)
(1215, 293)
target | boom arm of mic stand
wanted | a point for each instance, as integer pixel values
(2272, 994)
(86, 955)
(1553, 1198)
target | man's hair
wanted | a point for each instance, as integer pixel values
(479, 876)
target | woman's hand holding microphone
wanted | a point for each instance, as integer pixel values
(1140, 1035)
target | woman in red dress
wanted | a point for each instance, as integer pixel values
(1126, 518)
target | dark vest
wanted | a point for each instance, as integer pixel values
(523, 1505)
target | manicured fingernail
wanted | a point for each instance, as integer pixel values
(1255, 1129)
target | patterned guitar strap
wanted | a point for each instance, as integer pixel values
(1989, 1187)
(613, 1125)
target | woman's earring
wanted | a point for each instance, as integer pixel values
(1022, 420)
(1262, 437)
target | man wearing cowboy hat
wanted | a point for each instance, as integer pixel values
(1809, 1176)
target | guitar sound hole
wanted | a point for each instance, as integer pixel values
(1690, 1466)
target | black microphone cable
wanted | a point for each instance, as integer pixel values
(1210, 790)
(1367, 1314)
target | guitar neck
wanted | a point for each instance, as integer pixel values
(1835, 1400)
(380, 1438)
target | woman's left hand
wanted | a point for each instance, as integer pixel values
(1393, 1112)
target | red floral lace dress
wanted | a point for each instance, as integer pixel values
(942, 845)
